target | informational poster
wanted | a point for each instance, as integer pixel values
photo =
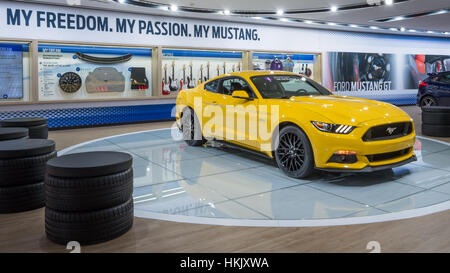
(297, 63)
(418, 66)
(184, 69)
(69, 72)
(11, 71)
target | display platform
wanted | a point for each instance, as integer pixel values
(222, 186)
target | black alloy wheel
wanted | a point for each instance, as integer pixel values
(428, 101)
(191, 128)
(293, 153)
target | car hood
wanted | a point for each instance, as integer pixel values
(347, 110)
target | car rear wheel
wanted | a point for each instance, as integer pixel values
(190, 126)
(293, 153)
(428, 101)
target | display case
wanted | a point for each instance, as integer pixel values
(78, 72)
(15, 60)
(183, 69)
(293, 62)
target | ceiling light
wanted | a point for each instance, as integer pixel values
(352, 25)
(429, 31)
(440, 12)
(308, 22)
(393, 29)
(284, 19)
(121, 1)
(227, 12)
(389, 2)
(257, 17)
(374, 27)
(173, 7)
(331, 24)
(412, 30)
(333, 8)
(164, 7)
(402, 29)
(280, 12)
(398, 18)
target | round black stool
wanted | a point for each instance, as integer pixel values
(89, 197)
(37, 127)
(436, 121)
(22, 173)
(13, 133)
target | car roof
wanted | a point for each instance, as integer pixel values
(251, 73)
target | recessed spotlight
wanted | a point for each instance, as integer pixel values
(308, 22)
(280, 12)
(173, 7)
(402, 29)
(227, 12)
(257, 17)
(374, 27)
(389, 2)
(334, 8)
(331, 24)
(284, 19)
(353, 25)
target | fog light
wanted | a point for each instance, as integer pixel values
(343, 157)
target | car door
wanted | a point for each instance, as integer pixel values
(444, 90)
(212, 116)
(241, 115)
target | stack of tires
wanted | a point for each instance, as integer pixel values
(436, 121)
(13, 133)
(89, 197)
(37, 127)
(22, 173)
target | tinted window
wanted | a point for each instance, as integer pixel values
(286, 86)
(212, 86)
(230, 85)
(444, 78)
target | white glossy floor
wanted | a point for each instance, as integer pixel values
(218, 185)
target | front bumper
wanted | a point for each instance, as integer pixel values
(326, 144)
(369, 169)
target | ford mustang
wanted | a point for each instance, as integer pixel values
(297, 122)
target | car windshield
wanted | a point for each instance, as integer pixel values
(286, 86)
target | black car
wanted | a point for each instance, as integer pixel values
(434, 90)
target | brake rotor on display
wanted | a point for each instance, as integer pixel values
(70, 82)
(373, 67)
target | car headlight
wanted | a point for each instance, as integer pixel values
(333, 128)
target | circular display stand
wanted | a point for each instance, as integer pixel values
(223, 186)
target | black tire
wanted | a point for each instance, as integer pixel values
(38, 132)
(88, 227)
(23, 122)
(436, 130)
(191, 128)
(13, 133)
(428, 101)
(435, 118)
(88, 194)
(22, 198)
(293, 152)
(23, 171)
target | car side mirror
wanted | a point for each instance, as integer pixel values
(241, 94)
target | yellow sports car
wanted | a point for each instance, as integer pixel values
(296, 121)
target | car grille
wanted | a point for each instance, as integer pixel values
(387, 156)
(388, 131)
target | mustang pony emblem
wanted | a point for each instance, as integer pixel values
(391, 130)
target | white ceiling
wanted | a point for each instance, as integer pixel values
(362, 16)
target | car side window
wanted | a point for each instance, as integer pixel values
(230, 85)
(445, 79)
(212, 86)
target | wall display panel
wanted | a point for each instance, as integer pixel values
(297, 63)
(418, 66)
(183, 69)
(14, 71)
(73, 72)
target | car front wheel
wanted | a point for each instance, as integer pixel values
(428, 101)
(293, 153)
